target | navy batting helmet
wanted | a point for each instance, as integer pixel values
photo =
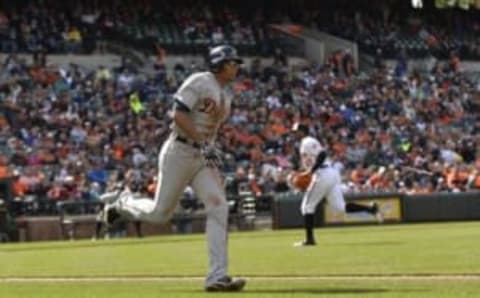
(221, 54)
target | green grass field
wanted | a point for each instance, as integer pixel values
(420, 260)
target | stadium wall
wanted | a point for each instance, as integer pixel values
(397, 208)
(315, 45)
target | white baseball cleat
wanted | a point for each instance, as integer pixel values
(304, 243)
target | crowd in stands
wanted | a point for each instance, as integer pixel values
(395, 27)
(64, 131)
(380, 28)
(43, 26)
(83, 26)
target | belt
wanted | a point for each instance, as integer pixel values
(188, 142)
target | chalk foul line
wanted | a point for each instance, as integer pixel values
(370, 277)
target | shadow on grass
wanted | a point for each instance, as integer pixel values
(320, 291)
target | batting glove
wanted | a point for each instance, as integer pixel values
(213, 156)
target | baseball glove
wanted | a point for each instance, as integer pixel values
(299, 180)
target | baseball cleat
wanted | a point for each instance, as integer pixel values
(227, 284)
(304, 243)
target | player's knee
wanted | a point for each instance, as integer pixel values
(215, 199)
(218, 203)
(306, 209)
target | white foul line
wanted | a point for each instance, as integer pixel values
(406, 277)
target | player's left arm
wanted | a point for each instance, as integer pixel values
(186, 98)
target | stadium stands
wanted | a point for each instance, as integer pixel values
(64, 129)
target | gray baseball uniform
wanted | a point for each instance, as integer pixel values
(181, 163)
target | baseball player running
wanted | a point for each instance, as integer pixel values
(326, 182)
(189, 157)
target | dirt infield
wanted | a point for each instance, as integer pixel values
(373, 277)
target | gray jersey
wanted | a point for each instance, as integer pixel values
(208, 102)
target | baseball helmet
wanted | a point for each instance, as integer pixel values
(223, 53)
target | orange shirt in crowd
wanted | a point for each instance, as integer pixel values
(377, 180)
(356, 176)
(118, 152)
(279, 113)
(4, 172)
(456, 178)
(18, 188)
(3, 122)
(445, 120)
(242, 137)
(279, 129)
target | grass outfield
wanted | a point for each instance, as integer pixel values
(420, 260)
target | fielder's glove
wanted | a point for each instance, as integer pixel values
(213, 156)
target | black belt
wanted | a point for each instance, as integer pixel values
(188, 142)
